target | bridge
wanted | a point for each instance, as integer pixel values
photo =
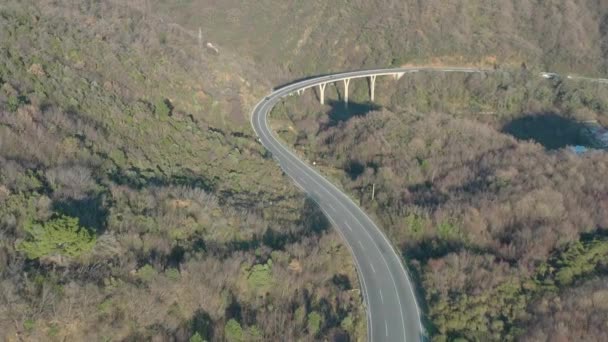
(371, 75)
(346, 81)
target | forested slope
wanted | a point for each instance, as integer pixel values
(302, 38)
(490, 222)
(504, 226)
(134, 202)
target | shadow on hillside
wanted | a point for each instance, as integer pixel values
(138, 179)
(341, 112)
(548, 129)
(202, 323)
(354, 169)
(312, 223)
(90, 212)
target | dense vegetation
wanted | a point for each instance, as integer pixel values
(294, 39)
(134, 202)
(496, 229)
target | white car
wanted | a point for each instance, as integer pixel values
(549, 75)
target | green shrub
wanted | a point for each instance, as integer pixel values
(260, 276)
(147, 273)
(29, 324)
(447, 230)
(59, 236)
(314, 322)
(172, 273)
(105, 307)
(162, 108)
(53, 330)
(347, 323)
(300, 315)
(416, 224)
(12, 103)
(577, 260)
(196, 338)
(233, 331)
(254, 334)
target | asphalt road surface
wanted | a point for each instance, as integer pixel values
(393, 313)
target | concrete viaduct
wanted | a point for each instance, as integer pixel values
(397, 73)
(346, 82)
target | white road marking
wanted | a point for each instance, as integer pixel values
(348, 226)
(300, 186)
(348, 210)
(381, 296)
(386, 328)
(391, 275)
(372, 266)
(370, 332)
(331, 207)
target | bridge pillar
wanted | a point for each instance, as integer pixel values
(346, 83)
(322, 92)
(372, 87)
(398, 75)
(300, 91)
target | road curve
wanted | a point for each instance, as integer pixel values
(392, 310)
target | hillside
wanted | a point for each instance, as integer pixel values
(472, 178)
(134, 202)
(290, 39)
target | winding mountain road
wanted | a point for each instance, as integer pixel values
(393, 313)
